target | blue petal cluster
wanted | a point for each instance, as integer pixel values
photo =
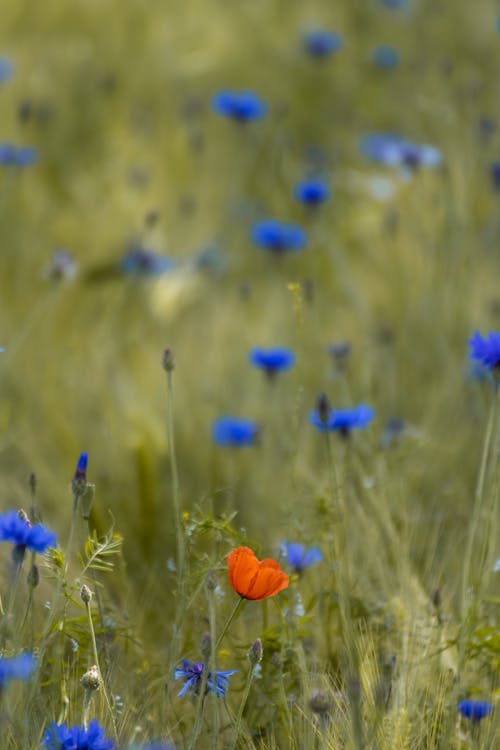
(19, 667)
(343, 420)
(475, 710)
(61, 737)
(321, 43)
(486, 350)
(142, 262)
(242, 106)
(299, 557)
(385, 56)
(16, 530)
(192, 674)
(6, 69)
(17, 156)
(277, 236)
(312, 192)
(394, 151)
(272, 361)
(234, 431)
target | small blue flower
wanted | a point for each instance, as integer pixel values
(475, 710)
(300, 557)
(272, 361)
(61, 737)
(394, 151)
(192, 674)
(142, 262)
(17, 156)
(82, 463)
(342, 420)
(486, 350)
(495, 175)
(385, 56)
(321, 43)
(278, 237)
(6, 69)
(233, 431)
(312, 192)
(19, 667)
(20, 532)
(242, 106)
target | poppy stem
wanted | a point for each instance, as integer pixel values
(229, 621)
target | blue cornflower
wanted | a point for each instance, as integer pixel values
(19, 667)
(19, 531)
(385, 56)
(242, 106)
(394, 151)
(61, 737)
(312, 192)
(300, 557)
(278, 237)
(17, 156)
(234, 431)
(342, 420)
(487, 350)
(272, 361)
(193, 676)
(142, 262)
(321, 43)
(6, 69)
(475, 710)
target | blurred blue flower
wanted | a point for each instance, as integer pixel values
(15, 529)
(234, 431)
(321, 43)
(342, 420)
(142, 262)
(61, 737)
(475, 710)
(272, 361)
(395, 4)
(495, 175)
(242, 106)
(486, 350)
(17, 156)
(6, 69)
(19, 667)
(192, 674)
(394, 151)
(299, 557)
(385, 56)
(393, 430)
(312, 192)
(278, 237)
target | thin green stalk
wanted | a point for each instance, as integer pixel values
(199, 708)
(212, 664)
(96, 659)
(229, 621)
(244, 698)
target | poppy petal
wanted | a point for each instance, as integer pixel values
(254, 579)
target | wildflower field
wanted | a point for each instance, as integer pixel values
(249, 375)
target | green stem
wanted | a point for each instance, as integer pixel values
(212, 665)
(229, 621)
(96, 659)
(244, 698)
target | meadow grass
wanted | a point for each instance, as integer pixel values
(375, 645)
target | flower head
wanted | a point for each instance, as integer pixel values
(475, 710)
(299, 557)
(277, 236)
(394, 151)
(192, 674)
(321, 43)
(272, 361)
(312, 192)
(486, 350)
(140, 261)
(385, 56)
(19, 667)
(17, 156)
(342, 420)
(234, 431)
(61, 737)
(19, 531)
(252, 578)
(242, 106)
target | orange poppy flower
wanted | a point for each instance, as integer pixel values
(252, 578)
